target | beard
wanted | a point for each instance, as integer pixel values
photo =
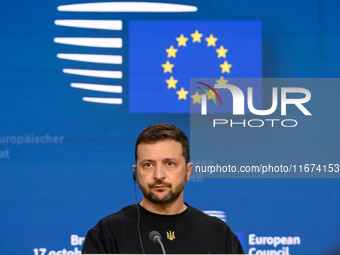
(170, 197)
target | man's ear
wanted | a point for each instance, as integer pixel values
(189, 169)
(134, 174)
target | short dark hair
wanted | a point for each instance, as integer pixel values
(164, 131)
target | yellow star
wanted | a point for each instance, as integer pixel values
(211, 40)
(171, 52)
(182, 41)
(225, 67)
(222, 52)
(196, 37)
(167, 67)
(196, 98)
(211, 93)
(182, 94)
(222, 81)
(171, 83)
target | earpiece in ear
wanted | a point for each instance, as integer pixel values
(134, 175)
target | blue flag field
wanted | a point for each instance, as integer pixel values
(164, 55)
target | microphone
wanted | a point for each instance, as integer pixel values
(156, 237)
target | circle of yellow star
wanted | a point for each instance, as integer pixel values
(167, 67)
(222, 52)
(171, 52)
(211, 40)
(196, 37)
(196, 98)
(225, 67)
(171, 82)
(222, 81)
(182, 94)
(182, 41)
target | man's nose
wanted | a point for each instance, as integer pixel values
(159, 172)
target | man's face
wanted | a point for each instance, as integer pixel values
(161, 170)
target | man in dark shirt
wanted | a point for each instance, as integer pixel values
(161, 172)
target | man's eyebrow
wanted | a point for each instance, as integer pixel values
(147, 160)
(170, 159)
(165, 159)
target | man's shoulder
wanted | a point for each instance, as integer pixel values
(204, 219)
(125, 212)
(125, 216)
(214, 226)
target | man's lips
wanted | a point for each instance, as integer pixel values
(159, 186)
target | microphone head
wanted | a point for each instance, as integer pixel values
(154, 235)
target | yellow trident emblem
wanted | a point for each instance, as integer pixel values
(170, 235)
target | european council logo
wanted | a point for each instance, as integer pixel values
(94, 46)
(164, 55)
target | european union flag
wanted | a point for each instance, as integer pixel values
(164, 55)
